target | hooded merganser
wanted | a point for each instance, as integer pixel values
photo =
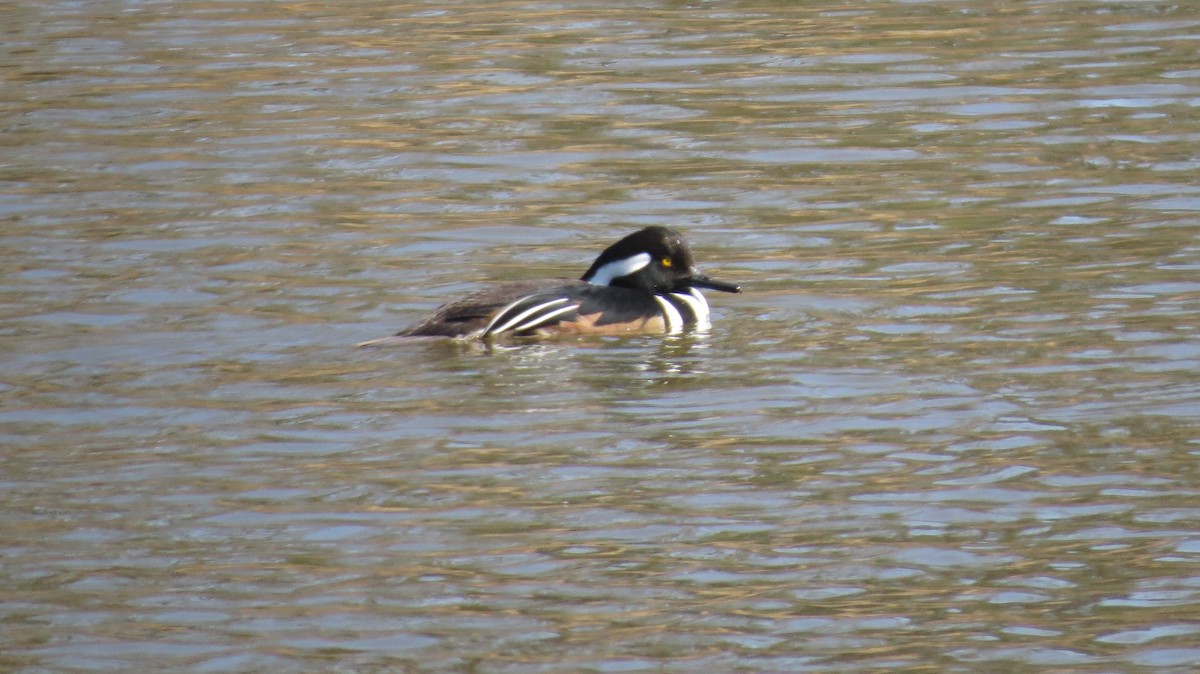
(646, 282)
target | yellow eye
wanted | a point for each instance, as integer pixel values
(666, 262)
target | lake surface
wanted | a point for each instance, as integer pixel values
(953, 423)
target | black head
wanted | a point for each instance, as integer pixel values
(656, 259)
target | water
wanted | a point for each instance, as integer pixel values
(951, 425)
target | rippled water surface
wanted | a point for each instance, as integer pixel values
(953, 424)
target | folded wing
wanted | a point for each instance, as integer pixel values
(532, 312)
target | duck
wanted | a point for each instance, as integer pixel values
(647, 282)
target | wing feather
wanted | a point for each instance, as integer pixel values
(529, 313)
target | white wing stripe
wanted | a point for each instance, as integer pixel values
(491, 328)
(542, 319)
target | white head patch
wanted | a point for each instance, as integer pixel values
(618, 268)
